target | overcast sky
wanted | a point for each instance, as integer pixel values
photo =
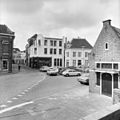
(57, 18)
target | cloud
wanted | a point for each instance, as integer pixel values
(22, 6)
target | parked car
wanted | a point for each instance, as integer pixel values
(52, 71)
(44, 68)
(71, 72)
(84, 78)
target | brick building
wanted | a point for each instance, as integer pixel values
(105, 61)
(6, 47)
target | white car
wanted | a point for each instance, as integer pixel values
(44, 68)
(71, 72)
(84, 78)
(52, 71)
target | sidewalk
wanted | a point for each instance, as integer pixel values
(14, 83)
(70, 105)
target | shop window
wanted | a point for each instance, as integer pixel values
(106, 65)
(97, 65)
(115, 66)
(5, 64)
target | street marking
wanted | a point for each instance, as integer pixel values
(14, 98)
(26, 90)
(3, 106)
(9, 101)
(19, 95)
(23, 93)
(16, 106)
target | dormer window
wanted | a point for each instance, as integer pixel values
(106, 46)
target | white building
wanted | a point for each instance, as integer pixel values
(45, 51)
(76, 53)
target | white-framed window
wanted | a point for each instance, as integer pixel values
(106, 46)
(67, 54)
(74, 54)
(79, 54)
(86, 54)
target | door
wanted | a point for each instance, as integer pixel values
(5, 64)
(107, 84)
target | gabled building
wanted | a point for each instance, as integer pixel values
(76, 52)
(43, 51)
(6, 48)
(105, 62)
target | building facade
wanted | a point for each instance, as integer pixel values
(76, 53)
(47, 51)
(105, 61)
(6, 48)
(16, 55)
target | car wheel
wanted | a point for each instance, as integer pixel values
(67, 75)
(78, 74)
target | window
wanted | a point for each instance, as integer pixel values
(67, 63)
(98, 65)
(106, 65)
(74, 54)
(54, 51)
(79, 54)
(60, 51)
(5, 42)
(67, 54)
(60, 43)
(35, 50)
(55, 43)
(51, 51)
(74, 62)
(98, 78)
(45, 42)
(55, 62)
(106, 46)
(45, 50)
(51, 42)
(39, 42)
(86, 54)
(115, 66)
(79, 62)
(5, 64)
(60, 62)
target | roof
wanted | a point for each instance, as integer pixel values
(53, 38)
(117, 31)
(80, 43)
(4, 29)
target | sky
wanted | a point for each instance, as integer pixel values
(58, 18)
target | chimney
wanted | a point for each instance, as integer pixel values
(107, 22)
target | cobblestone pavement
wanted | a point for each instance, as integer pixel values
(13, 84)
(73, 104)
